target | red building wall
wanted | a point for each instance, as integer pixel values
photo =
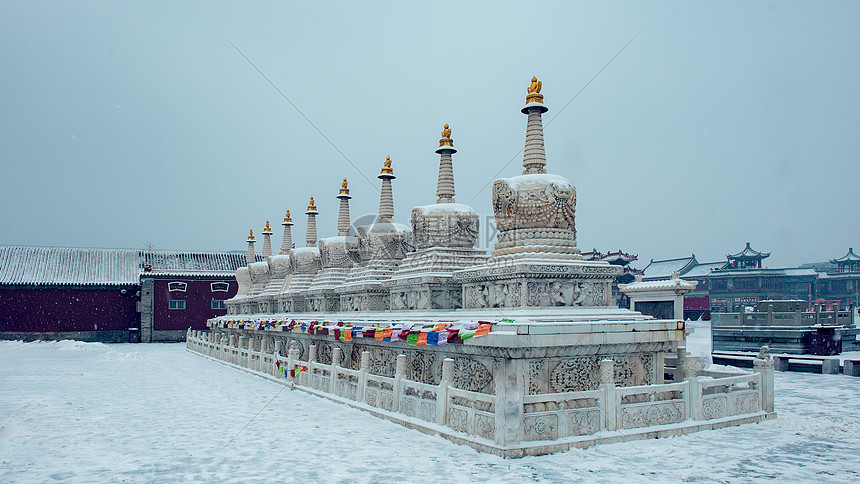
(198, 296)
(66, 309)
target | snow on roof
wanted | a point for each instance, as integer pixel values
(179, 261)
(112, 267)
(849, 257)
(662, 284)
(659, 269)
(704, 269)
(66, 266)
(444, 208)
(518, 181)
(749, 252)
(801, 271)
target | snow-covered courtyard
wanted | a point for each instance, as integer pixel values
(89, 412)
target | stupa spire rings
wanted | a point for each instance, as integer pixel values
(534, 154)
(267, 240)
(386, 198)
(287, 241)
(311, 234)
(445, 180)
(343, 212)
(250, 257)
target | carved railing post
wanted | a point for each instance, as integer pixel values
(228, 348)
(363, 368)
(336, 356)
(694, 397)
(292, 356)
(442, 393)
(679, 364)
(399, 375)
(611, 399)
(312, 358)
(279, 343)
(509, 388)
(763, 365)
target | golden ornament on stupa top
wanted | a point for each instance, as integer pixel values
(386, 167)
(287, 219)
(344, 190)
(534, 95)
(311, 206)
(251, 236)
(446, 137)
(267, 230)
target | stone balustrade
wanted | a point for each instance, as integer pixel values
(508, 421)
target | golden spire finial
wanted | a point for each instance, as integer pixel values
(534, 95)
(311, 206)
(344, 188)
(287, 219)
(535, 86)
(386, 167)
(267, 229)
(446, 137)
(251, 236)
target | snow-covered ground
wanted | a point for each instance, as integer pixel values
(88, 412)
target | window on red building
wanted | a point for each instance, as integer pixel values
(220, 287)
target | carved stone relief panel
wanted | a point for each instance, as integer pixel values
(383, 362)
(485, 426)
(652, 414)
(582, 372)
(583, 422)
(423, 367)
(323, 352)
(544, 427)
(472, 375)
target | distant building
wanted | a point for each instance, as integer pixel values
(111, 295)
(617, 258)
(742, 281)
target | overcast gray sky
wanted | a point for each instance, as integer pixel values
(721, 123)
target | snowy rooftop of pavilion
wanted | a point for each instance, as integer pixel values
(107, 267)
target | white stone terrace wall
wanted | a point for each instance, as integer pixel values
(510, 422)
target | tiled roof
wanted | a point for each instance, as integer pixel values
(748, 252)
(175, 261)
(111, 267)
(704, 269)
(660, 269)
(849, 257)
(68, 266)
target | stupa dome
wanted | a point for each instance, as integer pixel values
(338, 251)
(445, 225)
(279, 266)
(384, 240)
